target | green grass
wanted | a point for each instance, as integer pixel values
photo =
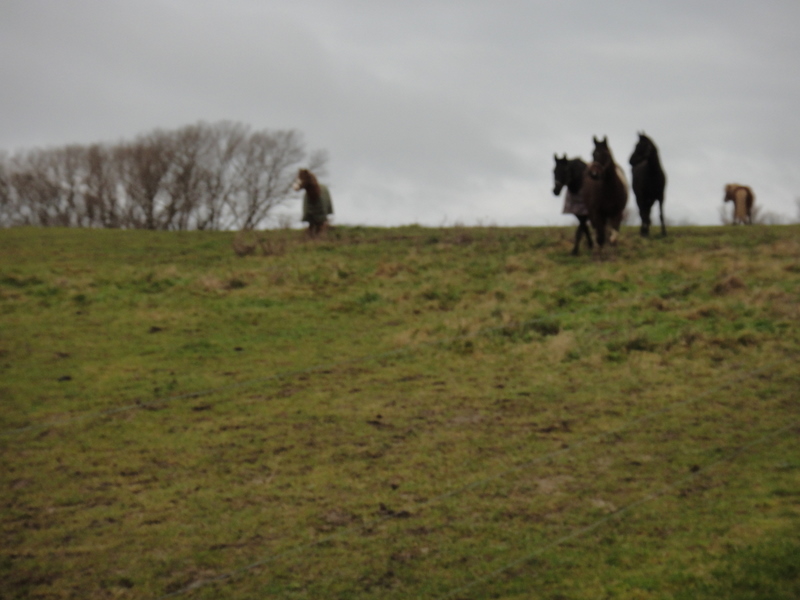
(400, 413)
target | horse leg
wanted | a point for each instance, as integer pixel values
(661, 216)
(644, 213)
(578, 234)
(584, 224)
(600, 233)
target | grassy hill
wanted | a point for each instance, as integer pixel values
(400, 413)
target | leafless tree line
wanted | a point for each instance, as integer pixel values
(203, 176)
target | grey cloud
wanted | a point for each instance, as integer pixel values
(430, 110)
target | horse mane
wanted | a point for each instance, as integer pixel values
(310, 185)
(571, 172)
(732, 188)
(575, 170)
(602, 158)
(645, 151)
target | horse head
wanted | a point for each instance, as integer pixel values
(602, 153)
(306, 181)
(603, 159)
(729, 192)
(559, 174)
(644, 149)
(595, 170)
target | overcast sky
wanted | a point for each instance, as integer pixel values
(433, 112)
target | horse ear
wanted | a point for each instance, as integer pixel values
(605, 139)
(594, 139)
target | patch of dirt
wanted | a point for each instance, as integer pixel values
(469, 419)
(606, 507)
(339, 518)
(551, 485)
(729, 285)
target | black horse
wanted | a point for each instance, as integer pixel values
(649, 181)
(569, 173)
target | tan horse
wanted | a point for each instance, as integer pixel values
(743, 198)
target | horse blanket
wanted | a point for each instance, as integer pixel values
(319, 213)
(574, 205)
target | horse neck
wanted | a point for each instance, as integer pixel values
(650, 157)
(610, 174)
(653, 162)
(575, 170)
(312, 190)
(608, 159)
(609, 167)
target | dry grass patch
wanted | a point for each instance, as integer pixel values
(728, 285)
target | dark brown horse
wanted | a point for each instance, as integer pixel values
(743, 198)
(569, 173)
(648, 181)
(316, 202)
(605, 191)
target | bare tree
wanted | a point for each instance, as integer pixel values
(768, 217)
(201, 176)
(144, 165)
(8, 207)
(265, 175)
(187, 179)
(69, 169)
(103, 197)
(724, 217)
(47, 186)
(227, 145)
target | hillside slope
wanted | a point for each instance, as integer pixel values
(399, 413)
